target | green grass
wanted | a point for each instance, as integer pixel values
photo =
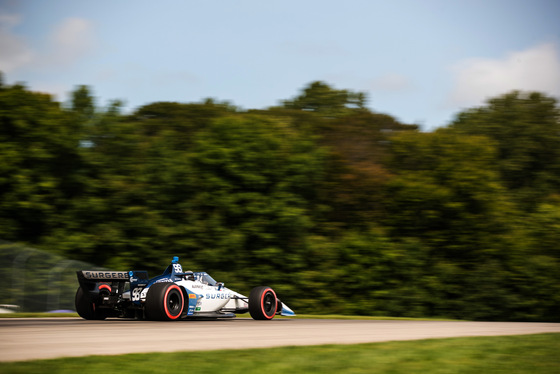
(504, 354)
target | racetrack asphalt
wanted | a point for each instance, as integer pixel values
(42, 338)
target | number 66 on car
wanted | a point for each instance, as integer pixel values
(171, 296)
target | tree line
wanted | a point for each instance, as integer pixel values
(339, 208)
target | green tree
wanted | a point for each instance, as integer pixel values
(182, 120)
(38, 161)
(132, 208)
(254, 179)
(376, 275)
(319, 97)
(536, 266)
(356, 174)
(83, 103)
(447, 191)
(120, 219)
(526, 130)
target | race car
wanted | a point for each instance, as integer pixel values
(171, 296)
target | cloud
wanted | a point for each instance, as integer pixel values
(71, 40)
(533, 69)
(15, 52)
(67, 43)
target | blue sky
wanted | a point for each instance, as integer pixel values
(419, 61)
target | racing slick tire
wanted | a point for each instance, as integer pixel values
(86, 308)
(164, 302)
(262, 303)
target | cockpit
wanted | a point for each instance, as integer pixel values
(205, 278)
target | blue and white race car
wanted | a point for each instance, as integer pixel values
(171, 296)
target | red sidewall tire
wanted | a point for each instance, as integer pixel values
(170, 311)
(263, 306)
(263, 303)
(164, 302)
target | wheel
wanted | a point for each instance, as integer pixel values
(262, 303)
(86, 308)
(164, 302)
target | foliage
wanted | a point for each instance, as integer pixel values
(526, 129)
(447, 192)
(38, 163)
(320, 98)
(340, 209)
(254, 181)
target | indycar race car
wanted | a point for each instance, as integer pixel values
(171, 296)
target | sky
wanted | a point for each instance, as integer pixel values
(421, 61)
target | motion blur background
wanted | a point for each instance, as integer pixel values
(449, 206)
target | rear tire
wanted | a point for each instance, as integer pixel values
(262, 303)
(164, 302)
(86, 308)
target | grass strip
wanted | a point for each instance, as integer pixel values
(502, 354)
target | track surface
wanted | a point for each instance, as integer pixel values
(29, 339)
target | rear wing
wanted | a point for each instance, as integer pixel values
(90, 279)
(97, 275)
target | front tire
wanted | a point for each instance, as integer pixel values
(164, 302)
(262, 303)
(86, 308)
